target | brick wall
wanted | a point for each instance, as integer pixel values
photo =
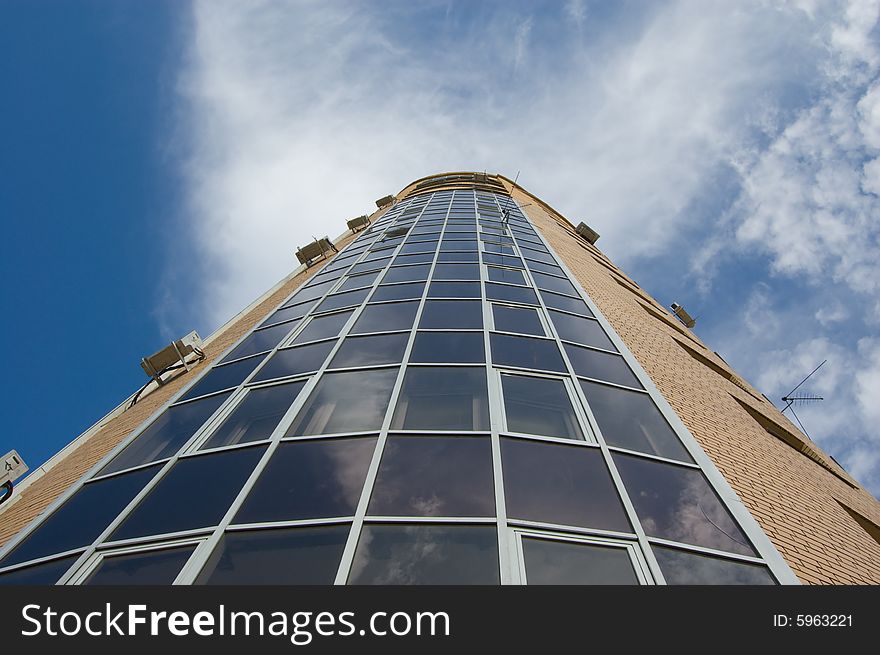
(793, 498)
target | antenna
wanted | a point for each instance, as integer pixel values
(791, 399)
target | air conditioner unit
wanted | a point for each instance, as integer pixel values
(13, 468)
(317, 249)
(381, 203)
(683, 316)
(359, 223)
(589, 234)
(175, 352)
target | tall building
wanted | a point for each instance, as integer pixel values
(468, 392)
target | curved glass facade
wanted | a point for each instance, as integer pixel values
(440, 404)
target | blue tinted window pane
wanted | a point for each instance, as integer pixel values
(80, 520)
(257, 416)
(167, 434)
(553, 562)
(261, 341)
(456, 272)
(386, 317)
(323, 327)
(434, 476)
(682, 567)
(47, 573)
(340, 300)
(399, 292)
(677, 503)
(602, 366)
(545, 268)
(195, 493)
(359, 281)
(426, 554)
(289, 314)
(581, 330)
(376, 263)
(629, 419)
(465, 257)
(371, 350)
(517, 319)
(502, 260)
(157, 567)
(508, 275)
(452, 314)
(346, 402)
(443, 399)
(309, 479)
(417, 258)
(566, 303)
(452, 347)
(457, 244)
(539, 406)
(311, 292)
(295, 361)
(406, 273)
(293, 556)
(226, 376)
(454, 290)
(508, 293)
(526, 352)
(554, 483)
(550, 283)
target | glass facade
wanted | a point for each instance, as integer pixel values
(439, 404)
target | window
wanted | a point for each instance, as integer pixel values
(323, 327)
(167, 434)
(81, 518)
(260, 341)
(426, 554)
(359, 281)
(584, 331)
(452, 347)
(523, 320)
(677, 503)
(386, 317)
(434, 476)
(256, 417)
(601, 366)
(149, 567)
(47, 573)
(629, 419)
(292, 556)
(682, 567)
(417, 258)
(309, 480)
(340, 300)
(550, 561)
(312, 292)
(526, 352)
(222, 377)
(545, 268)
(508, 275)
(295, 361)
(353, 401)
(566, 485)
(508, 293)
(457, 272)
(407, 273)
(541, 406)
(371, 350)
(399, 292)
(454, 290)
(452, 314)
(437, 398)
(195, 493)
(566, 303)
(463, 257)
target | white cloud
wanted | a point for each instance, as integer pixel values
(299, 115)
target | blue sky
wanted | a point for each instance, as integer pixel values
(162, 161)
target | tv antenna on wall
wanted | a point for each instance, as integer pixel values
(792, 399)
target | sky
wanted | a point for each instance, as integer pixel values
(162, 161)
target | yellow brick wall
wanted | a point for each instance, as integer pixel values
(39, 495)
(791, 496)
